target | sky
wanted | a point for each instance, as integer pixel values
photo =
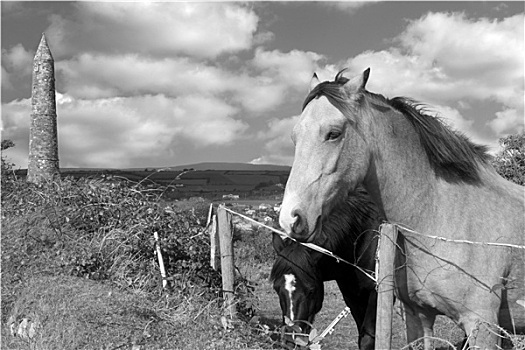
(158, 84)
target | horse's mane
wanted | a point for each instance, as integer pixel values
(349, 222)
(451, 154)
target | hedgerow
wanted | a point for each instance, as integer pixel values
(103, 230)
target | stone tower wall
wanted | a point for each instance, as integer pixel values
(43, 139)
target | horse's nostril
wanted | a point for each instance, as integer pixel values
(300, 223)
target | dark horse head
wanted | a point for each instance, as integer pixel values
(298, 272)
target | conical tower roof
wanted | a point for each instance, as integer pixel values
(43, 52)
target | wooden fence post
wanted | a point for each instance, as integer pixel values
(214, 243)
(385, 285)
(226, 243)
(210, 213)
(161, 260)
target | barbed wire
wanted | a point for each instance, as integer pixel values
(462, 241)
(308, 245)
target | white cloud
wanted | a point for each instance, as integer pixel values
(96, 76)
(278, 77)
(484, 57)
(268, 80)
(447, 58)
(463, 46)
(203, 30)
(278, 148)
(114, 132)
(452, 117)
(6, 79)
(15, 127)
(260, 95)
(508, 121)
(293, 68)
(349, 7)
(16, 114)
(18, 59)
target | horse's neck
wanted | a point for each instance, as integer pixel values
(400, 178)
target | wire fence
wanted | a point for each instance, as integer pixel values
(385, 253)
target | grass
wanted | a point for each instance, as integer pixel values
(65, 310)
(76, 313)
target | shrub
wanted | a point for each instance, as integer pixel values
(510, 162)
(103, 230)
(87, 246)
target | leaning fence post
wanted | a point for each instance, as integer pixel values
(225, 237)
(161, 260)
(386, 252)
(210, 213)
(214, 243)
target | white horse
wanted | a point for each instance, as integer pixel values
(426, 177)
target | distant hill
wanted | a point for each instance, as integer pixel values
(226, 166)
(198, 166)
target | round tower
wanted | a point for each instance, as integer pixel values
(43, 141)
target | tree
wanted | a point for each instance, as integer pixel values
(7, 168)
(510, 162)
(7, 144)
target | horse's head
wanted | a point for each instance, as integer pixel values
(297, 282)
(331, 155)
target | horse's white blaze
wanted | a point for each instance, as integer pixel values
(289, 285)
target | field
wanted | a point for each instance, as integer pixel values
(79, 272)
(186, 183)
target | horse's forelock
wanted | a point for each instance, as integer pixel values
(335, 93)
(333, 90)
(298, 260)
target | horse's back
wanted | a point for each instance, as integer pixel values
(461, 273)
(492, 211)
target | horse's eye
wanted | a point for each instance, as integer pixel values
(333, 135)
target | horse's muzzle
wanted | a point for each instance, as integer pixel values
(292, 333)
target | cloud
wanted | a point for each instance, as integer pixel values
(6, 80)
(294, 68)
(446, 58)
(11, 8)
(451, 117)
(483, 56)
(203, 30)
(115, 132)
(264, 83)
(278, 148)
(100, 75)
(15, 127)
(277, 77)
(349, 7)
(18, 60)
(477, 46)
(507, 121)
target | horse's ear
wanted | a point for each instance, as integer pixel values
(314, 82)
(278, 242)
(357, 83)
